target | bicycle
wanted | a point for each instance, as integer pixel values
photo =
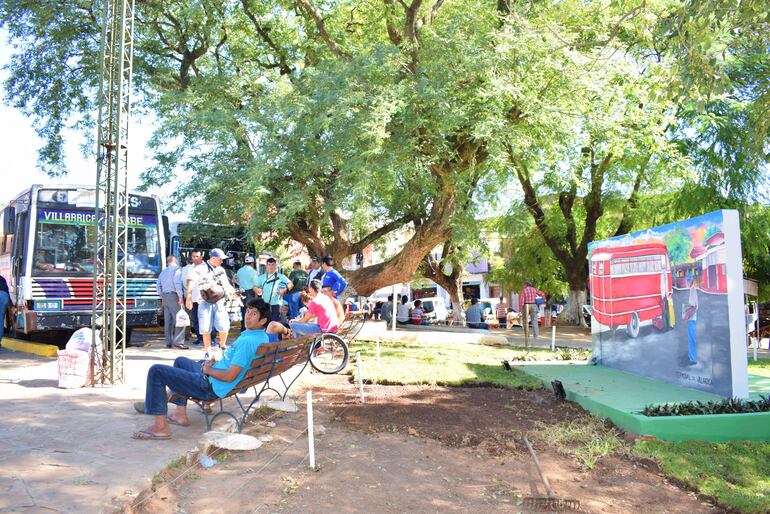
(330, 352)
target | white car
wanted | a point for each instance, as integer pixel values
(435, 309)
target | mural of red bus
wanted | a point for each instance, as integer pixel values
(631, 287)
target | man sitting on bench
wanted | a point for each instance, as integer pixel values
(322, 309)
(208, 380)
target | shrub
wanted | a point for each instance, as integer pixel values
(694, 408)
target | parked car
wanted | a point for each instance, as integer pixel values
(587, 314)
(435, 309)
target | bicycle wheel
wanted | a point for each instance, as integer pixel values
(329, 354)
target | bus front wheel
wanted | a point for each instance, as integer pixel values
(632, 328)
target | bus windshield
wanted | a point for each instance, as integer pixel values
(64, 242)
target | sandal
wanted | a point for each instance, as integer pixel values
(146, 435)
(172, 421)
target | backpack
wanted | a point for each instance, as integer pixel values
(210, 287)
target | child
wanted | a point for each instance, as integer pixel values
(418, 314)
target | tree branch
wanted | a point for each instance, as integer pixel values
(360, 245)
(626, 221)
(593, 204)
(319, 23)
(264, 33)
(410, 32)
(393, 33)
(566, 202)
(532, 203)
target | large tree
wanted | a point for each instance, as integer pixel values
(589, 128)
(332, 123)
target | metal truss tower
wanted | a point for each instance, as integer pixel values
(111, 206)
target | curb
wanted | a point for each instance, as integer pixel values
(43, 350)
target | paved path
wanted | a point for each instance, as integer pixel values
(71, 450)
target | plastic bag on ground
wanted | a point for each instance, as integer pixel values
(81, 341)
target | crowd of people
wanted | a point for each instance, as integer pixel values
(272, 306)
(214, 295)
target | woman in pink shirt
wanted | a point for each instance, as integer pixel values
(321, 309)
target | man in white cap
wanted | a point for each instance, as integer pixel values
(211, 313)
(247, 278)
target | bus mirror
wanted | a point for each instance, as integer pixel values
(9, 218)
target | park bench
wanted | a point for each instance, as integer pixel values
(351, 325)
(271, 361)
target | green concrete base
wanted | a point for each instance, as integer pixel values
(620, 396)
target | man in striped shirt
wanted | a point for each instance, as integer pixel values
(528, 299)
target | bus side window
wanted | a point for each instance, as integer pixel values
(6, 229)
(18, 246)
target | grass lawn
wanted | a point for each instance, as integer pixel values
(447, 364)
(761, 367)
(735, 473)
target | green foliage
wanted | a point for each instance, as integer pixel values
(561, 354)
(679, 245)
(526, 257)
(325, 134)
(53, 71)
(695, 408)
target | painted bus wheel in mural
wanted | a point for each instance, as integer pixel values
(667, 303)
(632, 327)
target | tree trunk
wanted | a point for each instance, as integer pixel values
(574, 310)
(452, 283)
(400, 268)
(458, 313)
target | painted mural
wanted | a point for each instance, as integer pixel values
(661, 303)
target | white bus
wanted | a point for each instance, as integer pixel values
(47, 238)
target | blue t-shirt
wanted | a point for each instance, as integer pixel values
(246, 277)
(474, 313)
(337, 282)
(270, 285)
(240, 353)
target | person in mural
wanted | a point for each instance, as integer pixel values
(691, 315)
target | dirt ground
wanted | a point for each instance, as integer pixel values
(408, 449)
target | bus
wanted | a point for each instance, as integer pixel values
(631, 286)
(185, 236)
(47, 236)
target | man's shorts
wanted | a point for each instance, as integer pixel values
(212, 312)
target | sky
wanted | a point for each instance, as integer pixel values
(19, 144)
